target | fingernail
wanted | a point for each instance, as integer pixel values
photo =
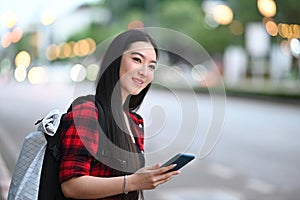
(174, 165)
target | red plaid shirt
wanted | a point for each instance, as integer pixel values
(80, 142)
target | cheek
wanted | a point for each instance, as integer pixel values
(124, 68)
(150, 77)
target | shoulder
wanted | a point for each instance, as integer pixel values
(83, 103)
(82, 110)
(84, 127)
(84, 106)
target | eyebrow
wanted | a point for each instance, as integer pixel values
(138, 53)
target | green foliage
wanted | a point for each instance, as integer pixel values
(245, 10)
(288, 12)
(185, 16)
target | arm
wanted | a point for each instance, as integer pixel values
(89, 187)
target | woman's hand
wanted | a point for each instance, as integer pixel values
(150, 177)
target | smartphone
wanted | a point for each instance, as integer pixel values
(181, 159)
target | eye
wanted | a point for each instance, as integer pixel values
(137, 59)
(152, 66)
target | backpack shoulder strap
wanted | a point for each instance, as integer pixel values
(101, 116)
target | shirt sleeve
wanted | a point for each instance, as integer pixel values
(80, 141)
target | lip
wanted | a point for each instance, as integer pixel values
(138, 82)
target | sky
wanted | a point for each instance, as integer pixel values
(30, 10)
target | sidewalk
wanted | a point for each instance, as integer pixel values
(285, 91)
(5, 179)
(281, 92)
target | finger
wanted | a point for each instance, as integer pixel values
(153, 167)
(173, 173)
(162, 181)
(167, 168)
(166, 176)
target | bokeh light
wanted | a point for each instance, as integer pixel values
(52, 52)
(84, 47)
(271, 28)
(92, 71)
(295, 47)
(9, 19)
(289, 30)
(23, 58)
(81, 48)
(37, 75)
(267, 7)
(136, 24)
(236, 27)
(6, 40)
(16, 34)
(64, 50)
(71, 44)
(209, 20)
(92, 45)
(20, 73)
(48, 17)
(78, 73)
(11, 37)
(223, 14)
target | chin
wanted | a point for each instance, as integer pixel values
(136, 92)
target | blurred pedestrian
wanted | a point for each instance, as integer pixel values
(111, 165)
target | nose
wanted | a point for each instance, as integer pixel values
(143, 71)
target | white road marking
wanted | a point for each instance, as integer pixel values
(260, 186)
(221, 171)
(199, 194)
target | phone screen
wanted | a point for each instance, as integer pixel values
(180, 159)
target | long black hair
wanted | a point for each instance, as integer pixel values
(108, 94)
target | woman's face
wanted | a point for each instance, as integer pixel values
(137, 68)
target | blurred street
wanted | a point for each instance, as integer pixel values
(50, 53)
(256, 157)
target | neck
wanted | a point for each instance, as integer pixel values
(124, 96)
(123, 100)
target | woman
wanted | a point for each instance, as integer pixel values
(111, 165)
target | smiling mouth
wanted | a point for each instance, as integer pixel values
(137, 81)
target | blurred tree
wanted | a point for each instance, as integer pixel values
(288, 12)
(187, 17)
(184, 16)
(244, 10)
(29, 42)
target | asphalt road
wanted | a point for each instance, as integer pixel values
(257, 142)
